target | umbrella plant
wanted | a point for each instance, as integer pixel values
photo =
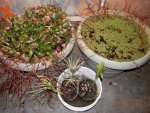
(37, 34)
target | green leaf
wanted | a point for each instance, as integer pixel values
(52, 30)
(25, 36)
(39, 24)
(48, 48)
(100, 70)
(17, 44)
(41, 46)
(12, 52)
(66, 37)
(55, 16)
(26, 24)
(82, 94)
(13, 40)
(47, 53)
(26, 44)
(16, 27)
(53, 44)
(65, 25)
(30, 54)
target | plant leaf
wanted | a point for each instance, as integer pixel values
(100, 70)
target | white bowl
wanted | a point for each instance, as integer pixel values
(87, 73)
(109, 63)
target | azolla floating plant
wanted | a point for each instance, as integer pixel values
(38, 35)
(117, 38)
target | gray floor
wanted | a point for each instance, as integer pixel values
(128, 92)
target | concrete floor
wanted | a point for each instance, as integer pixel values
(128, 92)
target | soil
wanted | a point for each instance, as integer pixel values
(114, 37)
(68, 92)
(87, 99)
(87, 89)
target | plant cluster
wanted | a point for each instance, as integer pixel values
(115, 37)
(36, 34)
(73, 64)
(74, 86)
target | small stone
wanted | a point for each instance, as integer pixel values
(110, 83)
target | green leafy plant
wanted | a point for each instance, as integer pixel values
(73, 80)
(70, 83)
(100, 70)
(115, 37)
(73, 64)
(45, 84)
(36, 34)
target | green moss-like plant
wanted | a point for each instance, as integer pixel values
(115, 37)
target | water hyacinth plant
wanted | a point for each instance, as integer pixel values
(37, 34)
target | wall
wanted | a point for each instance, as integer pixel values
(11, 7)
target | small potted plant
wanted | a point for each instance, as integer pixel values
(78, 88)
(69, 88)
(86, 82)
(34, 39)
(87, 87)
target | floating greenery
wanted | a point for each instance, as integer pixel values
(115, 37)
(36, 34)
